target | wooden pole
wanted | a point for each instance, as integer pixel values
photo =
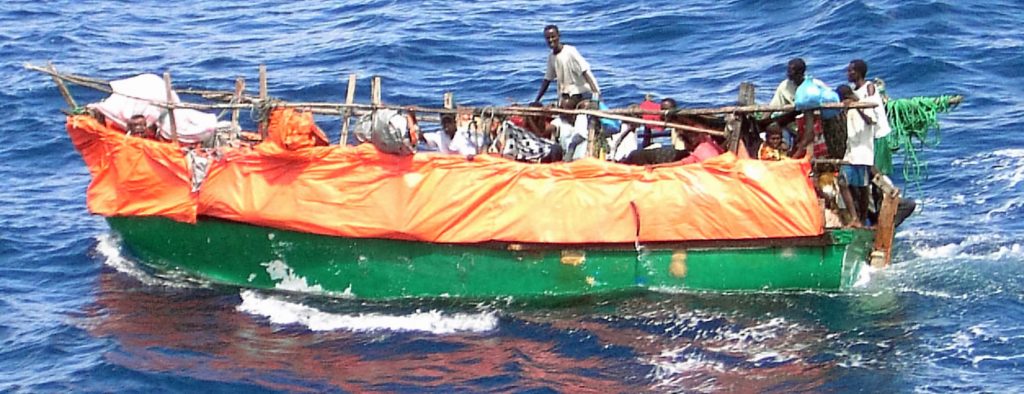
(350, 96)
(170, 107)
(375, 91)
(747, 91)
(263, 101)
(734, 121)
(61, 87)
(332, 108)
(239, 92)
(592, 136)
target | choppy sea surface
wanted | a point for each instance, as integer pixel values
(77, 314)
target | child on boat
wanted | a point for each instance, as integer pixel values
(773, 147)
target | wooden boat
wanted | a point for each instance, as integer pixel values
(290, 213)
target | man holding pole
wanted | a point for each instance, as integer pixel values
(570, 69)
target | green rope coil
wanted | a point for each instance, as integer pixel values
(913, 119)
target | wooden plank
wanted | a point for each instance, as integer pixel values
(734, 120)
(62, 87)
(350, 96)
(375, 91)
(592, 134)
(885, 229)
(449, 100)
(239, 92)
(170, 107)
(747, 91)
(263, 99)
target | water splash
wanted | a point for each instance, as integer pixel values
(280, 311)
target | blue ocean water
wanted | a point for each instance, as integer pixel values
(77, 315)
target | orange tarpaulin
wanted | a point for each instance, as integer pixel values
(290, 183)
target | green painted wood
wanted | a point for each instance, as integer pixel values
(251, 256)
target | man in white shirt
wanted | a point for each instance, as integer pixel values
(449, 140)
(570, 69)
(860, 153)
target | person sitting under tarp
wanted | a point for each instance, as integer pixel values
(449, 139)
(572, 132)
(701, 147)
(773, 147)
(625, 142)
(698, 147)
(137, 126)
(147, 95)
(539, 125)
(657, 136)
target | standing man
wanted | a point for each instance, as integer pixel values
(785, 94)
(857, 74)
(565, 64)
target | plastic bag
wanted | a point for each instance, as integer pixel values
(387, 130)
(812, 93)
(610, 126)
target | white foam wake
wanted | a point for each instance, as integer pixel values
(279, 311)
(108, 246)
(965, 249)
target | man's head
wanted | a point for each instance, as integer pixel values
(856, 71)
(137, 125)
(667, 104)
(553, 37)
(795, 70)
(448, 125)
(569, 103)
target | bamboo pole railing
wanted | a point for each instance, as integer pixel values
(233, 101)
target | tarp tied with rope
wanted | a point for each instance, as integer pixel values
(293, 181)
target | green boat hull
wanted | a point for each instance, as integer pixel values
(258, 257)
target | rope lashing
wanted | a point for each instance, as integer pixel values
(913, 119)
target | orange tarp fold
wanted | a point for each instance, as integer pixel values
(132, 176)
(292, 182)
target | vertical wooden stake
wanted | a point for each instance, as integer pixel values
(592, 133)
(375, 91)
(62, 87)
(747, 91)
(449, 100)
(170, 108)
(808, 138)
(263, 101)
(239, 90)
(885, 228)
(734, 121)
(350, 96)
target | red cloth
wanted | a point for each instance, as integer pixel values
(649, 105)
(704, 151)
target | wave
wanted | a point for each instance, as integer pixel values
(281, 311)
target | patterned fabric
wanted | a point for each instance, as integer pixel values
(835, 136)
(522, 145)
